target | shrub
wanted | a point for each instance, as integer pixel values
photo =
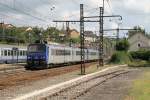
(139, 63)
(142, 55)
(122, 45)
(121, 57)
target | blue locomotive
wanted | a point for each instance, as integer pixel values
(44, 55)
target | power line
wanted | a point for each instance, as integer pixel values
(5, 5)
(27, 8)
(76, 14)
(10, 16)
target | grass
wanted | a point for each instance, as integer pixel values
(139, 63)
(141, 88)
(120, 57)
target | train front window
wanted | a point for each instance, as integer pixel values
(37, 48)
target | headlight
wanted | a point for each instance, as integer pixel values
(29, 57)
(43, 57)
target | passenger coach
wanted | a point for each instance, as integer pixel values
(12, 54)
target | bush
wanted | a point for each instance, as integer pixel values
(139, 63)
(122, 45)
(121, 57)
(142, 55)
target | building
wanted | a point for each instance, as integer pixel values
(74, 33)
(139, 41)
(6, 26)
(90, 37)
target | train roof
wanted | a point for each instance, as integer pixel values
(12, 46)
(63, 46)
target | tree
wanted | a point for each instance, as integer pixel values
(122, 45)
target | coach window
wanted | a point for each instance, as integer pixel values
(5, 52)
(2, 53)
(20, 52)
(78, 52)
(53, 52)
(23, 53)
(15, 53)
(93, 53)
(9, 53)
(67, 52)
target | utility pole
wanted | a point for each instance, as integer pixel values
(117, 37)
(101, 60)
(67, 28)
(2, 29)
(82, 39)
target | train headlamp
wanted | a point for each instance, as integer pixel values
(29, 57)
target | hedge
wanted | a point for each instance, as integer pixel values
(142, 55)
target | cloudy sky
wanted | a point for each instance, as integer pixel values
(43, 12)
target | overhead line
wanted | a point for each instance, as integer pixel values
(8, 16)
(23, 12)
(28, 8)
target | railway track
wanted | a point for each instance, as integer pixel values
(21, 67)
(12, 68)
(77, 90)
(14, 78)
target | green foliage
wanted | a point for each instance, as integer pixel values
(139, 63)
(140, 89)
(19, 34)
(121, 57)
(142, 55)
(122, 45)
(75, 40)
(14, 35)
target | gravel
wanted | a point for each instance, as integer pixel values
(27, 87)
(114, 89)
(21, 87)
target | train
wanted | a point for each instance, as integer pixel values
(13, 54)
(45, 55)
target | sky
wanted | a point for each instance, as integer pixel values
(42, 13)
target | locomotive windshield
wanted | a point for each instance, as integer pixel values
(37, 48)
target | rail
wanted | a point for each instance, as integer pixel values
(11, 69)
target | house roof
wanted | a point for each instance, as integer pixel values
(89, 34)
(70, 31)
(6, 25)
(145, 35)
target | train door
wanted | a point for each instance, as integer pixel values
(87, 54)
(47, 55)
(72, 54)
(65, 60)
(15, 55)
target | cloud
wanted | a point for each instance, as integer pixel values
(132, 6)
(134, 12)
